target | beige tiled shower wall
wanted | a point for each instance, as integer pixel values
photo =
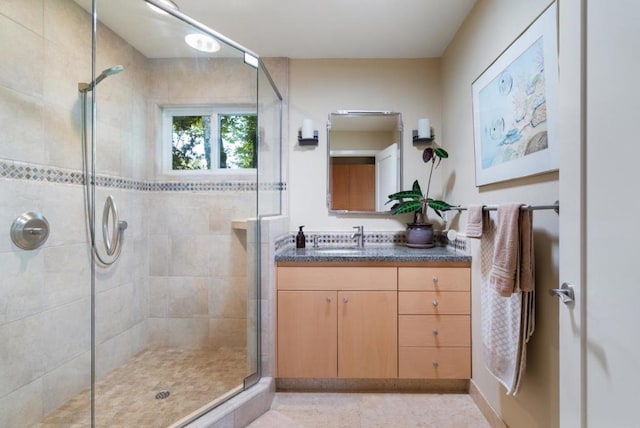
(182, 276)
(45, 311)
(198, 268)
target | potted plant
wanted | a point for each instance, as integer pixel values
(420, 232)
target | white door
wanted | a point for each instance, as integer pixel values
(387, 175)
(600, 207)
(572, 188)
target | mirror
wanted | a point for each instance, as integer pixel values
(364, 151)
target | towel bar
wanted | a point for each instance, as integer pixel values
(555, 207)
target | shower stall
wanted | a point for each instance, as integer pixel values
(135, 170)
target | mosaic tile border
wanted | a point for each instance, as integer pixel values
(457, 244)
(339, 239)
(24, 171)
(283, 242)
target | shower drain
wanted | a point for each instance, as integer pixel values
(162, 395)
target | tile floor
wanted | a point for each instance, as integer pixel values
(371, 410)
(126, 397)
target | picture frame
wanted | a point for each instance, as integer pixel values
(515, 106)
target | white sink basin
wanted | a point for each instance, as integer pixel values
(339, 251)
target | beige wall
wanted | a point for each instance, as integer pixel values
(319, 87)
(487, 31)
(361, 140)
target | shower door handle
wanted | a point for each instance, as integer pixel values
(565, 293)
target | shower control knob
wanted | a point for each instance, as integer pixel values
(30, 230)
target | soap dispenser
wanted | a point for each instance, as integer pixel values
(300, 239)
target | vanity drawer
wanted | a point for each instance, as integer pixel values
(434, 303)
(337, 278)
(434, 330)
(434, 279)
(434, 363)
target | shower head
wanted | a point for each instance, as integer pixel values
(85, 87)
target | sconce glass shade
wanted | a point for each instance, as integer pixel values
(307, 128)
(423, 134)
(424, 128)
(306, 135)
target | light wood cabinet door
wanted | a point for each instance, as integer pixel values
(435, 363)
(434, 330)
(434, 303)
(337, 278)
(367, 334)
(306, 334)
(434, 279)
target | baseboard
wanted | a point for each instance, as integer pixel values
(489, 412)
(372, 385)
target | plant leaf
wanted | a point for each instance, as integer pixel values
(405, 194)
(416, 187)
(438, 205)
(407, 207)
(441, 153)
(439, 213)
(427, 154)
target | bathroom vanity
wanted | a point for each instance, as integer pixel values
(376, 313)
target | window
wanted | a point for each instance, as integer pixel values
(205, 139)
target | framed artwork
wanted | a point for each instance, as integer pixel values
(515, 106)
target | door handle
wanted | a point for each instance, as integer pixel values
(565, 293)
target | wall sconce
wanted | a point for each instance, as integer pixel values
(306, 135)
(423, 134)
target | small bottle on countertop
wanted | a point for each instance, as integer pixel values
(300, 239)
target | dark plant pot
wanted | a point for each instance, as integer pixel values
(420, 235)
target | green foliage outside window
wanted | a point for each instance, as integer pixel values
(191, 141)
(191, 148)
(238, 140)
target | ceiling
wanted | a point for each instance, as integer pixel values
(300, 28)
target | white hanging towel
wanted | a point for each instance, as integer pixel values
(507, 323)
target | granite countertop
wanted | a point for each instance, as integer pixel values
(371, 254)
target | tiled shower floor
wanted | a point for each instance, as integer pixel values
(126, 397)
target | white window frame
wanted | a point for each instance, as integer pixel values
(166, 140)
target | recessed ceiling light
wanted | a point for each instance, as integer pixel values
(167, 3)
(202, 42)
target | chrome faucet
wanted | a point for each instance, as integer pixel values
(359, 235)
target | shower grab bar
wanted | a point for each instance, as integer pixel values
(112, 243)
(555, 207)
